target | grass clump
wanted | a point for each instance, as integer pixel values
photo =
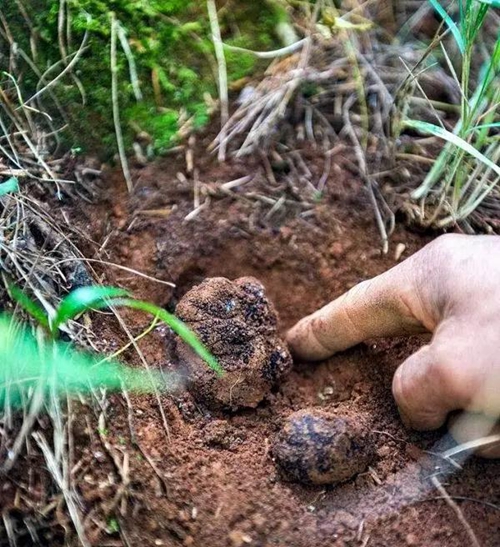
(466, 171)
(40, 376)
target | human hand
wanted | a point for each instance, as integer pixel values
(450, 288)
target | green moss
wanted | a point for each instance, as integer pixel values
(171, 45)
(161, 126)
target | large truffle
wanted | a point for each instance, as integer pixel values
(319, 448)
(238, 324)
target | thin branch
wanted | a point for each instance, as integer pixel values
(132, 67)
(470, 532)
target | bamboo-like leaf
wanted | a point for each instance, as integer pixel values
(450, 24)
(10, 186)
(29, 305)
(492, 3)
(178, 326)
(83, 299)
(437, 131)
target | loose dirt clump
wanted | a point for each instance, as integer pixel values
(238, 324)
(315, 447)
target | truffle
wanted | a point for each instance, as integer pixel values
(238, 324)
(318, 448)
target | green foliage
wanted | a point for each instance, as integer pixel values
(466, 171)
(162, 126)
(171, 46)
(30, 306)
(10, 186)
(450, 24)
(81, 300)
(180, 328)
(453, 139)
(113, 526)
(54, 367)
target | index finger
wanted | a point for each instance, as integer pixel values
(387, 305)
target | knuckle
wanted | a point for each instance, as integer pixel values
(447, 372)
(360, 291)
(443, 247)
(438, 371)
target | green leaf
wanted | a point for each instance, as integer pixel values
(30, 306)
(450, 24)
(86, 298)
(83, 299)
(178, 326)
(492, 3)
(56, 368)
(484, 126)
(454, 139)
(10, 186)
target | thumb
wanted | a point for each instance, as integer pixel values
(480, 432)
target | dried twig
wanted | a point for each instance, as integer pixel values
(223, 86)
(116, 106)
(470, 532)
(283, 52)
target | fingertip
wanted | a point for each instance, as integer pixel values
(303, 342)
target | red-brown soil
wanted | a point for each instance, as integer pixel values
(203, 477)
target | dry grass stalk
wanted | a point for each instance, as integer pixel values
(222, 71)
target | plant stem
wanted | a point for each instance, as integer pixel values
(116, 106)
(223, 85)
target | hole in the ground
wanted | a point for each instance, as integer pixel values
(191, 276)
(293, 283)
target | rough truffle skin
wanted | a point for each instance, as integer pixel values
(238, 324)
(318, 448)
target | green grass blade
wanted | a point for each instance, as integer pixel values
(453, 139)
(492, 3)
(83, 299)
(87, 298)
(56, 367)
(28, 305)
(10, 186)
(450, 24)
(178, 326)
(483, 126)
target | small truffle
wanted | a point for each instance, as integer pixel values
(319, 448)
(238, 324)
